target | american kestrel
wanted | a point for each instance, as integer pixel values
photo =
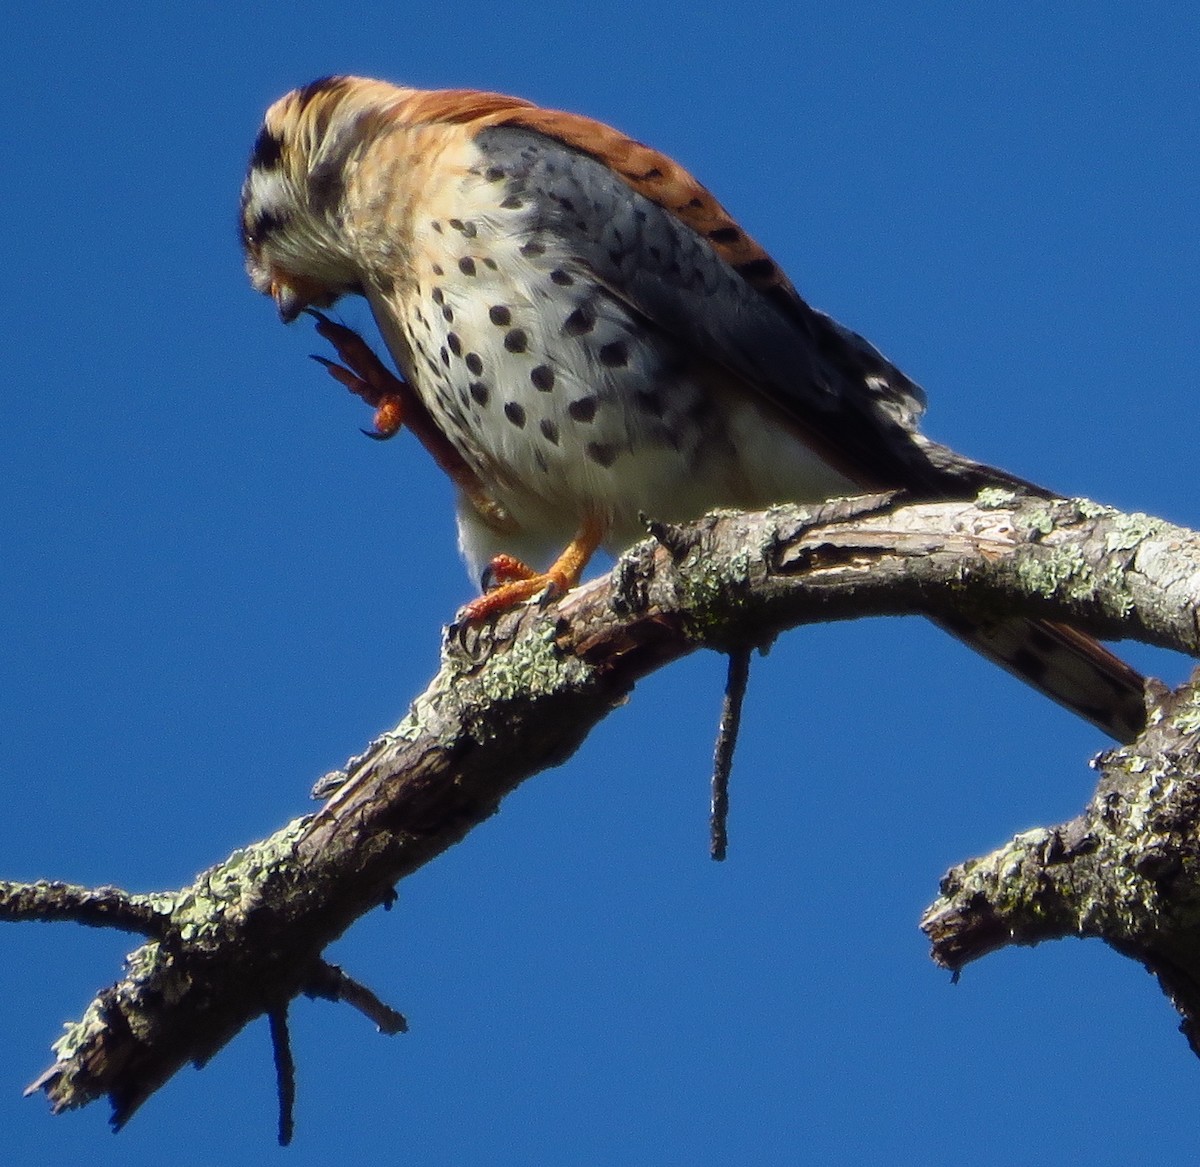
(585, 336)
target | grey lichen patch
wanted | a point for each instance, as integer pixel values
(1188, 720)
(232, 888)
(1127, 531)
(1062, 571)
(994, 498)
(1041, 520)
(534, 666)
(77, 1034)
(712, 586)
(1085, 508)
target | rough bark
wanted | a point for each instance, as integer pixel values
(516, 697)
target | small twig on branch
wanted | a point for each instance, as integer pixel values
(727, 734)
(330, 983)
(285, 1072)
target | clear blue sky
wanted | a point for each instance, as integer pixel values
(213, 589)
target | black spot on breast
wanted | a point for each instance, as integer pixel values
(493, 174)
(581, 321)
(512, 203)
(561, 278)
(516, 340)
(500, 316)
(725, 235)
(480, 392)
(583, 409)
(542, 377)
(475, 363)
(437, 270)
(602, 453)
(466, 265)
(455, 344)
(489, 263)
(445, 356)
(614, 355)
(650, 401)
(437, 296)
(436, 226)
(468, 228)
(549, 431)
(447, 314)
(515, 413)
(532, 248)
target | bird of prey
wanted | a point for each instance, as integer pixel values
(585, 336)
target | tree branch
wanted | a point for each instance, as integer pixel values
(516, 697)
(1127, 870)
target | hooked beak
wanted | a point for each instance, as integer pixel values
(292, 295)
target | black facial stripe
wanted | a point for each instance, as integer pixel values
(268, 151)
(264, 224)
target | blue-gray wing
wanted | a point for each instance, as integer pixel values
(848, 400)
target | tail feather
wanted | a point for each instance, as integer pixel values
(1066, 665)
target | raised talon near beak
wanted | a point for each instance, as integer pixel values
(396, 402)
(389, 417)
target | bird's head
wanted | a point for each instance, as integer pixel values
(292, 200)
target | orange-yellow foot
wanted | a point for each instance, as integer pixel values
(516, 582)
(366, 377)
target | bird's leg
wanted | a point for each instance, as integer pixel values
(517, 582)
(396, 403)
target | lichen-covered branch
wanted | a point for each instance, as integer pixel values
(518, 696)
(97, 907)
(1127, 870)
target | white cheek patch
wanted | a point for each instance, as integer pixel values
(267, 194)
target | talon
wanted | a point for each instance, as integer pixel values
(395, 401)
(389, 417)
(506, 569)
(344, 376)
(514, 582)
(501, 599)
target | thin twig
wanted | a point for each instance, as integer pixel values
(330, 983)
(731, 719)
(285, 1073)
